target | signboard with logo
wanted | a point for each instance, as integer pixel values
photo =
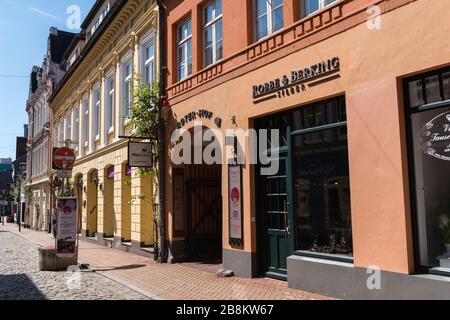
(66, 237)
(235, 202)
(140, 155)
(63, 158)
(435, 137)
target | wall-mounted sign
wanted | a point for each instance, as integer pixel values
(235, 207)
(198, 115)
(67, 227)
(435, 137)
(63, 158)
(297, 77)
(64, 174)
(140, 155)
(178, 203)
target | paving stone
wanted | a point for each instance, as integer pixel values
(20, 278)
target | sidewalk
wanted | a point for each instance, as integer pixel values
(170, 281)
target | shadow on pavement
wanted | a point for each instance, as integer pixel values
(19, 287)
(129, 267)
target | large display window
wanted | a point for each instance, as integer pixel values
(428, 120)
(305, 208)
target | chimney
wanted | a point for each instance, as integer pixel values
(54, 31)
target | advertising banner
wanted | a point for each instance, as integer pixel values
(66, 238)
(235, 204)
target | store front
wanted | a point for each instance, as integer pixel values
(427, 98)
(306, 207)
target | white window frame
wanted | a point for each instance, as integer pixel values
(206, 25)
(126, 79)
(110, 104)
(76, 126)
(68, 127)
(146, 63)
(96, 106)
(184, 44)
(269, 16)
(85, 114)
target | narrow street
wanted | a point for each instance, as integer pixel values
(115, 274)
(20, 278)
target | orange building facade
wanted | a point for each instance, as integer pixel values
(350, 86)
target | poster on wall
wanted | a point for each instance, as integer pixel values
(66, 237)
(178, 203)
(235, 205)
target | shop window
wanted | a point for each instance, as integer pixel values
(268, 17)
(184, 49)
(311, 6)
(429, 149)
(446, 85)
(432, 89)
(416, 97)
(321, 180)
(212, 32)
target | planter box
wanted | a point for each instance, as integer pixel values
(48, 261)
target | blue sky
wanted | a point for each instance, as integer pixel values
(24, 26)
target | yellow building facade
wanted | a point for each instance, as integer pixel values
(91, 109)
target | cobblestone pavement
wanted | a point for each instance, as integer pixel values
(187, 281)
(20, 278)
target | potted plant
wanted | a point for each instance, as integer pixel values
(444, 227)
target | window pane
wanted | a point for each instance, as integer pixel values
(311, 6)
(433, 89)
(446, 84)
(261, 7)
(219, 50)
(278, 18)
(416, 93)
(208, 13)
(261, 27)
(322, 198)
(208, 37)
(219, 36)
(432, 184)
(208, 56)
(218, 7)
(189, 54)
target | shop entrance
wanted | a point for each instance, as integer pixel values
(204, 213)
(276, 205)
(303, 208)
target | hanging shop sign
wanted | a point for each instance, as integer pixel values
(66, 227)
(235, 205)
(199, 115)
(140, 155)
(63, 159)
(435, 137)
(294, 83)
(178, 203)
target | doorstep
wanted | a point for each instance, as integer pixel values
(345, 281)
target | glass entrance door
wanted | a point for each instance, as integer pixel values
(278, 217)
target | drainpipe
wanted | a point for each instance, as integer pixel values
(162, 159)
